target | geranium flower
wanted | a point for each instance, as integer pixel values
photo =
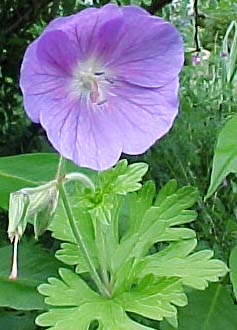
(103, 82)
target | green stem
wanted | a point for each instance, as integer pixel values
(101, 248)
(60, 168)
(94, 275)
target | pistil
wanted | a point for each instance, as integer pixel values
(90, 81)
(13, 274)
(94, 94)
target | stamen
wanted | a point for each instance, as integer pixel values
(109, 80)
(13, 274)
(99, 73)
(91, 80)
(102, 102)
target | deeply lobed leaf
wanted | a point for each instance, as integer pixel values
(150, 285)
(83, 306)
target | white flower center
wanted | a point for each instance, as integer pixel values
(90, 80)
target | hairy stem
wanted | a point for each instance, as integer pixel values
(76, 232)
(60, 168)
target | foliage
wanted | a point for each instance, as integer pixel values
(27, 171)
(230, 49)
(207, 104)
(35, 266)
(149, 285)
(233, 270)
(212, 309)
(18, 320)
(225, 159)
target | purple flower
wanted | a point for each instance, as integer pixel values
(196, 59)
(102, 82)
(223, 54)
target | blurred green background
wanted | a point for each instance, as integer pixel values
(207, 99)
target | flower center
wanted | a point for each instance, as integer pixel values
(90, 80)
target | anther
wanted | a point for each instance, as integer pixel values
(99, 73)
(102, 102)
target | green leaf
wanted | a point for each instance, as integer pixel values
(129, 181)
(123, 178)
(195, 270)
(135, 206)
(35, 265)
(155, 299)
(28, 170)
(17, 320)
(68, 6)
(147, 285)
(82, 306)
(70, 254)
(156, 224)
(61, 230)
(233, 269)
(230, 49)
(167, 190)
(212, 309)
(116, 181)
(20, 295)
(225, 158)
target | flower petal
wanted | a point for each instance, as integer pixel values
(143, 115)
(139, 89)
(97, 144)
(60, 120)
(46, 70)
(80, 132)
(149, 56)
(28, 83)
(98, 33)
(37, 80)
(57, 52)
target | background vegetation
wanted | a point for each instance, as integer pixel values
(207, 99)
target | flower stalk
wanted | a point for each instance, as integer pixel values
(76, 231)
(77, 235)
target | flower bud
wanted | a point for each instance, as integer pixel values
(18, 205)
(47, 205)
(30, 204)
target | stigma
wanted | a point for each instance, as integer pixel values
(90, 80)
(13, 275)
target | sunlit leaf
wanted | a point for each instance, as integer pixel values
(82, 306)
(147, 285)
(123, 178)
(157, 224)
(195, 270)
(28, 170)
(225, 158)
(35, 265)
(233, 269)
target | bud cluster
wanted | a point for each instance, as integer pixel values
(36, 205)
